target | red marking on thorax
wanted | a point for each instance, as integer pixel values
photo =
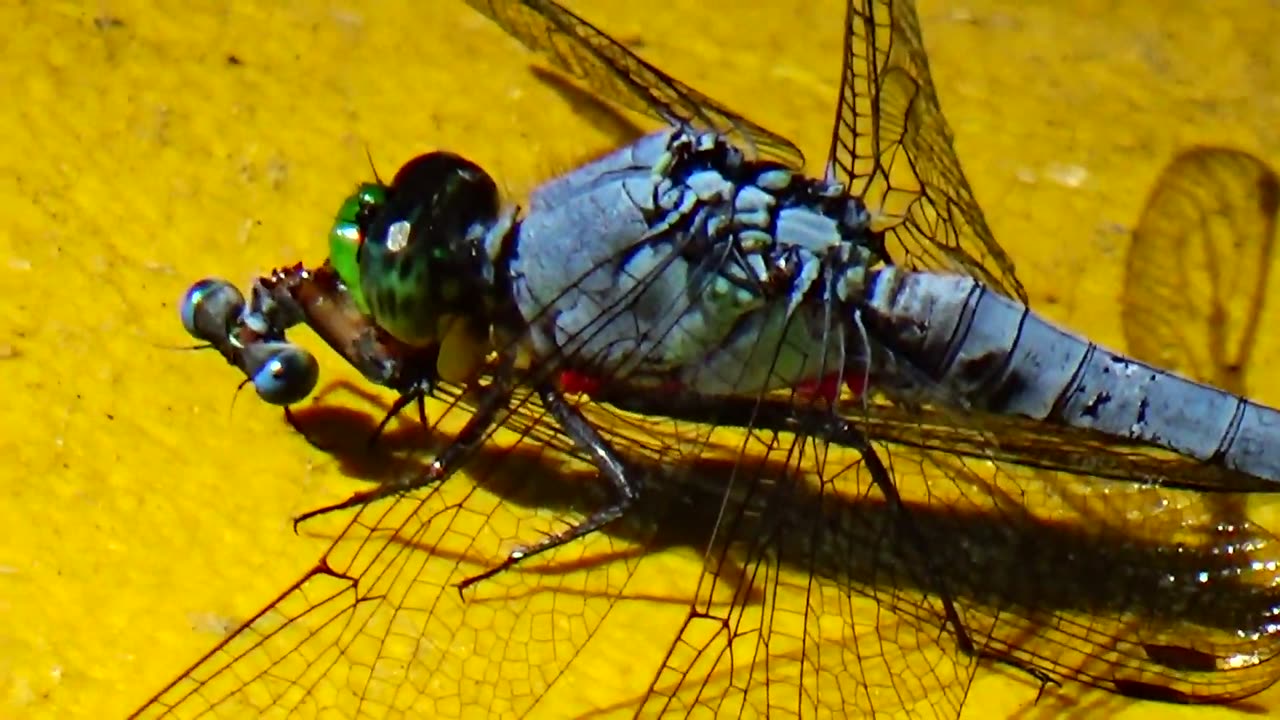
(671, 386)
(573, 382)
(828, 387)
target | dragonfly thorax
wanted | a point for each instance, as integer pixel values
(677, 259)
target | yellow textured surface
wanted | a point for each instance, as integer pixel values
(148, 144)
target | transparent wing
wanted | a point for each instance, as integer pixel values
(811, 605)
(825, 595)
(819, 594)
(1199, 264)
(892, 147)
(378, 629)
(619, 75)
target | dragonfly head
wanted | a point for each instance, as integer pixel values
(422, 262)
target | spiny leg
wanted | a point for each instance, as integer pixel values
(493, 399)
(411, 372)
(625, 481)
(416, 394)
(402, 401)
(419, 373)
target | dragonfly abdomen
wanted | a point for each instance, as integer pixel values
(991, 353)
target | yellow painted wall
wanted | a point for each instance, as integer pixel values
(144, 145)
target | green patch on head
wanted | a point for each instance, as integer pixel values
(420, 257)
(347, 235)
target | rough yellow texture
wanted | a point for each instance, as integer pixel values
(148, 144)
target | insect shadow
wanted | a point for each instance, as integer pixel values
(606, 118)
(1036, 575)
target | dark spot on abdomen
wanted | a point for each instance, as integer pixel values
(1096, 404)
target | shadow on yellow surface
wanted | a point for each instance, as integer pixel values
(151, 144)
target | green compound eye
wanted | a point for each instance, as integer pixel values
(348, 234)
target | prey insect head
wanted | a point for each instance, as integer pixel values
(422, 260)
(250, 338)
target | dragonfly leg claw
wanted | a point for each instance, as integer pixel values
(415, 395)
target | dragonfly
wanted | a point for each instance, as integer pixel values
(922, 474)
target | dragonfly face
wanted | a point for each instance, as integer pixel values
(281, 373)
(421, 258)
